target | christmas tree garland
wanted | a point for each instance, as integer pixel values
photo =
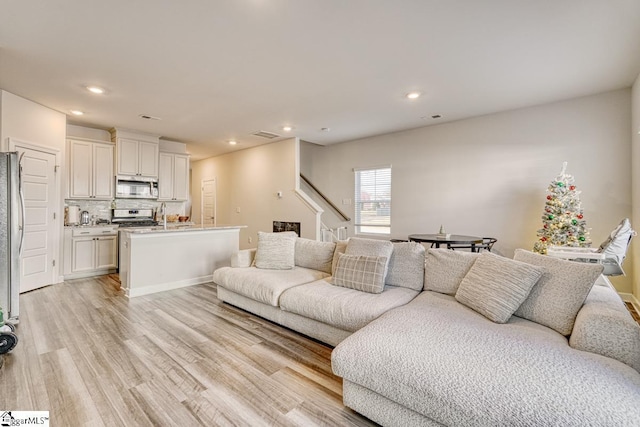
(563, 222)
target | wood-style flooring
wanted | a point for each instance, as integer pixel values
(92, 357)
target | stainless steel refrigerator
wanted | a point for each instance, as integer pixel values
(11, 234)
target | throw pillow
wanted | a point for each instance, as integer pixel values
(363, 273)
(557, 297)
(314, 254)
(495, 286)
(370, 247)
(445, 269)
(406, 266)
(341, 246)
(276, 251)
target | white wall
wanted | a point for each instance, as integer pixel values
(635, 220)
(33, 123)
(249, 180)
(488, 175)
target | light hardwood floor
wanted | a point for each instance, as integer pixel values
(91, 356)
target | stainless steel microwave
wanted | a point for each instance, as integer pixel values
(128, 187)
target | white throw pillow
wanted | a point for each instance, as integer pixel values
(495, 286)
(406, 266)
(276, 251)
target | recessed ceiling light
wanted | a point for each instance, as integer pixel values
(77, 112)
(413, 95)
(287, 128)
(95, 89)
(232, 142)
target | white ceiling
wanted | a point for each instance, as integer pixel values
(215, 70)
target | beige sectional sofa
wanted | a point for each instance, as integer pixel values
(432, 356)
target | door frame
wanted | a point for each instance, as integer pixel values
(13, 143)
(215, 201)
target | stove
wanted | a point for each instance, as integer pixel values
(133, 217)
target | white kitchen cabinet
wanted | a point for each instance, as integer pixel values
(90, 251)
(173, 177)
(137, 158)
(90, 170)
(136, 153)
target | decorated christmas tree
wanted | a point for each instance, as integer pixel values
(563, 222)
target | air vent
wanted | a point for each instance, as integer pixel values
(148, 117)
(265, 134)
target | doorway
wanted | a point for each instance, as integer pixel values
(208, 202)
(39, 186)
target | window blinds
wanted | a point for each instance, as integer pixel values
(373, 200)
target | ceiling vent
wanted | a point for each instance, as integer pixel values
(148, 117)
(265, 134)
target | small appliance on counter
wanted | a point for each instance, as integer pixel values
(73, 215)
(84, 218)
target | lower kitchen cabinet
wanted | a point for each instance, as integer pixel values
(90, 251)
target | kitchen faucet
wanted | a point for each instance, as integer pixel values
(163, 212)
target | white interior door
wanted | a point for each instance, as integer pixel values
(39, 189)
(208, 202)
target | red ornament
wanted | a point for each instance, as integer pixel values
(572, 187)
(580, 216)
(549, 197)
(545, 226)
(544, 239)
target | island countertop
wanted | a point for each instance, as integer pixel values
(178, 229)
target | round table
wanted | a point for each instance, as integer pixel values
(454, 239)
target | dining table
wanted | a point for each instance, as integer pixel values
(450, 240)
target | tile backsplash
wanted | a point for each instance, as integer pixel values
(102, 208)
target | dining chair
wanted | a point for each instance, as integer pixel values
(486, 245)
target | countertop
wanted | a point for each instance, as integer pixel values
(181, 229)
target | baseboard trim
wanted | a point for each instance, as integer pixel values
(146, 290)
(626, 297)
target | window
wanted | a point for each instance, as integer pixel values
(373, 200)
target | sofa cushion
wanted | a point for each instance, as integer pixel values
(314, 254)
(495, 286)
(449, 363)
(370, 247)
(362, 273)
(555, 300)
(276, 251)
(341, 247)
(262, 285)
(406, 266)
(445, 269)
(343, 308)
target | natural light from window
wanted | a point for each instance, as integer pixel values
(373, 200)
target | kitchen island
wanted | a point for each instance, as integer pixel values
(156, 259)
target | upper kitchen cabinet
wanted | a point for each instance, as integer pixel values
(90, 169)
(136, 153)
(173, 180)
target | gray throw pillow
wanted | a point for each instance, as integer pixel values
(276, 251)
(445, 269)
(341, 246)
(557, 297)
(363, 273)
(495, 286)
